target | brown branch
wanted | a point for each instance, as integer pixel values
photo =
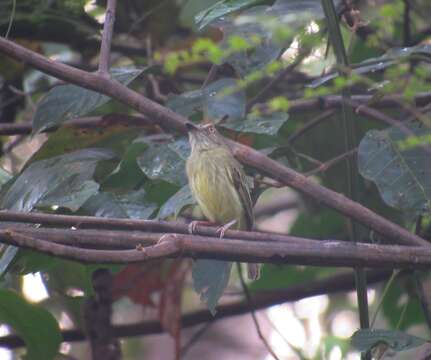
(108, 28)
(260, 300)
(175, 122)
(147, 226)
(309, 252)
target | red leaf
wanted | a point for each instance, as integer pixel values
(139, 282)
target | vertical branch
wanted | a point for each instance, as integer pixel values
(350, 141)
(108, 28)
(97, 316)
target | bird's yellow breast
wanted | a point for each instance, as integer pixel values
(213, 188)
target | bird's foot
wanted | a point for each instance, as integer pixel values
(192, 226)
(222, 229)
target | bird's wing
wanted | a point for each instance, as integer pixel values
(241, 184)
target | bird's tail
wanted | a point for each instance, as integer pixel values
(253, 271)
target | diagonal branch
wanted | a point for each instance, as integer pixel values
(172, 121)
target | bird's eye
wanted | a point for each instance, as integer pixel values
(211, 129)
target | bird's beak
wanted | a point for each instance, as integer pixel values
(190, 126)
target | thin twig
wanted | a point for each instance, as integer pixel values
(253, 313)
(327, 164)
(310, 125)
(108, 29)
(195, 338)
(211, 75)
(274, 81)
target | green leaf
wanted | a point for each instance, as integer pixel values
(36, 326)
(258, 124)
(128, 175)
(220, 98)
(115, 137)
(366, 339)
(65, 102)
(261, 54)
(188, 103)
(403, 177)
(7, 256)
(221, 8)
(64, 180)
(132, 204)
(210, 278)
(4, 176)
(176, 203)
(191, 9)
(165, 162)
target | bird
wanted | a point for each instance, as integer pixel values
(218, 183)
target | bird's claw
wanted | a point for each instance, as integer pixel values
(192, 226)
(222, 229)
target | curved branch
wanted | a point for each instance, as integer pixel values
(315, 253)
(260, 300)
(175, 122)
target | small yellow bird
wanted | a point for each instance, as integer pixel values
(218, 182)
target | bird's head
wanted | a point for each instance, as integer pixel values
(204, 136)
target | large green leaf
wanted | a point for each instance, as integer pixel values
(132, 204)
(65, 102)
(366, 339)
(128, 175)
(176, 203)
(191, 8)
(218, 99)
(219, 9)
(64, 180)
(403, 177)
(36, 326)
(4, 176)
(165, 162)
(262, 53)
(210, 278)
(113, 136)
(265, 23)
(258, 124)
